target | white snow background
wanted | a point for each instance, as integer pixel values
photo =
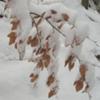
(14, 74)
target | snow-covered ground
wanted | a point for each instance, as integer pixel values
(14, 74)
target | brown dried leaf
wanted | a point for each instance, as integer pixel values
(46, 56)
(42, 50)
(83, 70)
(12, 37)
(46, 63)
(15, 24)
(51, 79)
(40, 64)
(52, 93)
(31, 75)
(46, 59)
(33, 42)
(34, 77)
(65, 17)
(79, 85)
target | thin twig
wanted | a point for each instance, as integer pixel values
(56, 28)
(35, 25)
(95, 42)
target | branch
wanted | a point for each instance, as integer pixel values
(53, 26)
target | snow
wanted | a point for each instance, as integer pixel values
(14, 74)
(15, 84)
